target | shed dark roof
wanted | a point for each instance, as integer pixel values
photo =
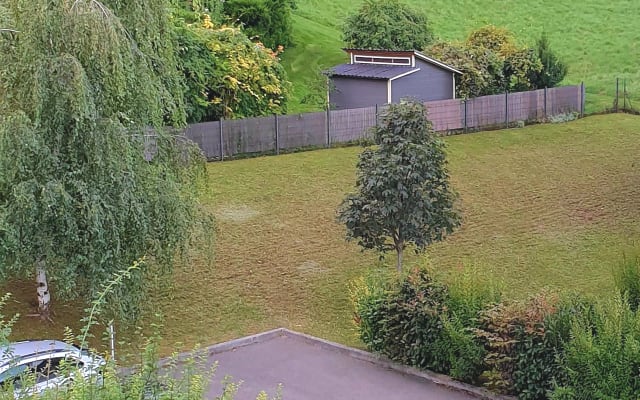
(372, 71)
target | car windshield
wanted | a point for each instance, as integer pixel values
(12, 374)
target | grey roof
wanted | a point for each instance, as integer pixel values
(371, 71)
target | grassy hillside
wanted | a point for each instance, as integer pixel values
(597, 38)
(546, 205)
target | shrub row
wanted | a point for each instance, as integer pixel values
(547, 347)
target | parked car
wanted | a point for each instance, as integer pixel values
(39, 362)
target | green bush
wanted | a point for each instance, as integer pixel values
(553, 69)
(546, 347)
(387, 25)
(627, 278)
(267, 21)
(458, 351)
(602, 360)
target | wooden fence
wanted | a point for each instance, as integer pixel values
(222, 139)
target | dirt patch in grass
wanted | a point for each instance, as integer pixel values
(236, 213)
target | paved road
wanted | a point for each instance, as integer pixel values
(311, 372)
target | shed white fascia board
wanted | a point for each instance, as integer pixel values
(436, 62)
(404, 74)
(453, 78)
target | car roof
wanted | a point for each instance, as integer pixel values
(26, 348)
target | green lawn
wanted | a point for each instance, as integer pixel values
(546, 205)
(597, 38)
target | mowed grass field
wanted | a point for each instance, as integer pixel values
(598, 39)
(544, 206)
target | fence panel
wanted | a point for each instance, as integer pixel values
(523, 106)
(446, 115)
(249, 135)
(486, 111)
(302, 130)
(566, 99)
(207, 136)
(352, 124)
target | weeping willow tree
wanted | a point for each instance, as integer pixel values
(89, 181)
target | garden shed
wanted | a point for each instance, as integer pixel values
(383, 76)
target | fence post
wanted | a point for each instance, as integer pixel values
(466, 126)
(277, 135)
(328, 126)
(615, 105)
(545, 102)
(221, 141)
(582, 99)
(506, 108)
(376, 115)
(624, 94)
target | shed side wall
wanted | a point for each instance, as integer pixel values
(429, 84)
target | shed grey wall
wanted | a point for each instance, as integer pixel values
(428, 84)
(357, 92)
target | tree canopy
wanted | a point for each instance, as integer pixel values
(227, 75)
(553, 69)
(388, 25)
(403, 192)
(89, 180)
(491, 61)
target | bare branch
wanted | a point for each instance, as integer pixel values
(9, 30)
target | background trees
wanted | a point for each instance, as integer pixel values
(387, 24)
(227, 75)
(492, 61)
(89, 180)
(268, 21)
(403, 195)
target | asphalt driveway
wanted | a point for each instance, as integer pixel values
(311, 369)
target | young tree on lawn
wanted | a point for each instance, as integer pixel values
(403, 192)
(387, 24)
(81, 195)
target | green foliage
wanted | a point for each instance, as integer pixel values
(420, 322)
(85, 185)
(408, 321)
(387, 25)
(603, 358)
(627, 278)
(227, 75)
(553, 70)
(268, 21)
(403, 186)
(367, 295)
(481, 68)
(491, 62)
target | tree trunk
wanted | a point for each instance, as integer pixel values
(44, 297)
(399, 250)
